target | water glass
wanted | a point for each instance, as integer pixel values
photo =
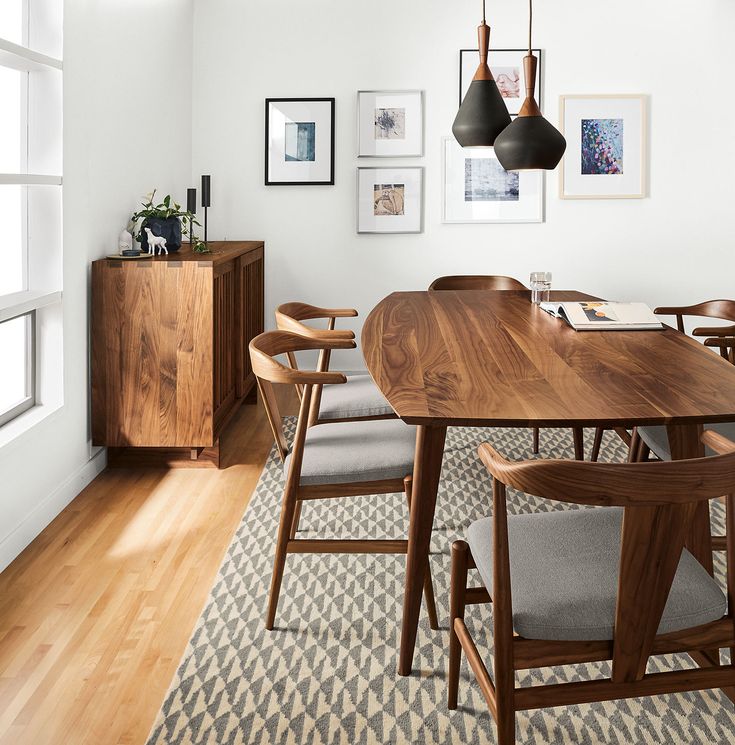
(540, 287)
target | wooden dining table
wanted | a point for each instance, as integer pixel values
(492, 358)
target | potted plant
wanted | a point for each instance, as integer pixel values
(166, 219)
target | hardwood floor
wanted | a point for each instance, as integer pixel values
(96, 613)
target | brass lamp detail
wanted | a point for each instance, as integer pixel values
(530, 142)
(482, 115)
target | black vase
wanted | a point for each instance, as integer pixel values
(170, 229)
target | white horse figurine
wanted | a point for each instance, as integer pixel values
(155, 241)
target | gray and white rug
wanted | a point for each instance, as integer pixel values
(327, 674)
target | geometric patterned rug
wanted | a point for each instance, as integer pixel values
(327, 674)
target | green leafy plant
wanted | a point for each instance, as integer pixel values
(165, 210)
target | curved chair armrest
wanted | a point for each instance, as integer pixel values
(717, 442)
(721, 342)
(304, 311)
(289, 323)
(264, 347)
(714, 331)
(495, 463)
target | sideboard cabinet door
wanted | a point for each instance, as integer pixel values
(224, 340)
(251, 270)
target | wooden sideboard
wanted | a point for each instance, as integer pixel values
(170, 362)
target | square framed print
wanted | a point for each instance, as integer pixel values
(478, 189)
(606, 147)
(390, 200)
(506, 66)
(299, 141)
(390, 124)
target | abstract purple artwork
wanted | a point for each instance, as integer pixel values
(602, 146)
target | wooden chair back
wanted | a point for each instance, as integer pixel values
(476, 282)
(269, 371)
(291, 317)
(723, 310)
(659, 501)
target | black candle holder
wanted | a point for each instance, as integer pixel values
(191, 208)
(206, 199)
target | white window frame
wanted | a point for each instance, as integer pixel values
(29, 399)
(33, 298)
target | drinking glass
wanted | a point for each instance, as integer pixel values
(540, 287)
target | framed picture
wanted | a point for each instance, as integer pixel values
(506, 66)
(390, 200)
(606, 147)
(478, 189)
(390, 124)
(299, 141)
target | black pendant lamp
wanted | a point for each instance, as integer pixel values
(482, 116)
(530, 141)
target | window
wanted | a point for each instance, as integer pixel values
(30, 199)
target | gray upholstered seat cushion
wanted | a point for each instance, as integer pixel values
(564, 574)
(358, 397)
(345, 452)
(657, 439)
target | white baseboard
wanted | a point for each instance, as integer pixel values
(12, 545)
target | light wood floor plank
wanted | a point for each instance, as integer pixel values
(95, 614)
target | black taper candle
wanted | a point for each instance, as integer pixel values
(191, 201)
(206, 200)
(206, 191)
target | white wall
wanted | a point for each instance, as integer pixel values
(127, 58)
(677, 245)
(127, 128)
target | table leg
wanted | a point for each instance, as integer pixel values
(426, 473)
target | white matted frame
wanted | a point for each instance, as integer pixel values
(622, 149)
(312, 164)
(390, 200)
(476, 188)
(390, 124)
(506, 66)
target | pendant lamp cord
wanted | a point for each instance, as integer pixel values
(483, 12)
(530, 23)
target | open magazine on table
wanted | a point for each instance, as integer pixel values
(600, 315)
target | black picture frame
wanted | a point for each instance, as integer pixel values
(521, 52)
(269, 181)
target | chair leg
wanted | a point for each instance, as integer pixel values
(457, 593)
(635, 443)
(279, 560)
(578, 434)
(535, 440)
(639, 451)
(428, 582)
(296, 518)
(597, 443)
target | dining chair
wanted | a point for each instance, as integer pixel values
(612, 582)
(359, 398)
(654, 439)
(500, 282)
(332, 460)
(476, 282)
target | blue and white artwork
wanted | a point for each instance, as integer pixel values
(300, 141)
(485, 180)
